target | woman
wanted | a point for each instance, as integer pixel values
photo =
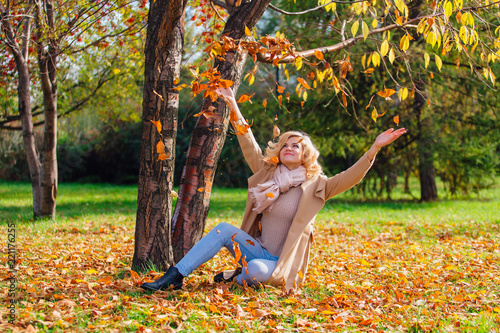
(285, 193)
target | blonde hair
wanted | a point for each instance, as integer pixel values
(310, 153)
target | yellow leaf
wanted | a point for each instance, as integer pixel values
(298, 62)
(365, 263)
(91, 271)
(439, 62)
(404, 44)
(248, 32)
(384, 48)
(374, 115)
(354, 28)
(427, 59)
(374, 23)
(392, 56)
(403, 94)
(448, 9)
(251, 79)
(116, 70)
(366, 30)
(375, 59)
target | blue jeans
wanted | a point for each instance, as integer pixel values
(260, 262)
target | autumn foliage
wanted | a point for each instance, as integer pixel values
(425, 273)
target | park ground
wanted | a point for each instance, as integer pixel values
(376, 266)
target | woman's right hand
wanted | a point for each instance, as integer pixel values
(226, 93)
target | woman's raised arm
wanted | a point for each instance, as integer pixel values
(249, 146)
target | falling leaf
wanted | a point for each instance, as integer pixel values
(264, 103)
(280, 89)
(245, 98)
(386, 93)
(248, 32)
(201, 189)
(157, 124)
(250, 242)
(274, 160)
(374, 114)
(276, 132)
(396, 120)
(270, 195)
(369, 71)
(174, 194)
(225, 83)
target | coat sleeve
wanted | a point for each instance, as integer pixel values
(330, 187)
(251, 151)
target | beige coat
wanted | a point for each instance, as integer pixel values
(292, 265)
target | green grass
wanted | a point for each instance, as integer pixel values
(442, 257)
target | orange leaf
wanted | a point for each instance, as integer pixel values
(270, 195)
(225, 83)
(157, 124)
(338, 320)
(250, 242)
(264, 103)
(274, 160)
(369, 71)
(344, 99)
(237, 252)
(232, 237)
(248, 32)
(386, 93)
(160, 149)
(134, 274)
(280, 99)
(245, 98)
(319, 54)
(280, 89)
(396, 120)
(201, 189)
(366, 322)
(303, 82)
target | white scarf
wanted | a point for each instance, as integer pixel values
(264, 195)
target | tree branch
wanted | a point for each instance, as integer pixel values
(273, 7)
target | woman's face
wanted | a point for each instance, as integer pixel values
(291, 153)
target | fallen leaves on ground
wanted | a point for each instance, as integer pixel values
(78, 277)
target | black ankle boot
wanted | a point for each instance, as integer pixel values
(227, 276)
(171, 278)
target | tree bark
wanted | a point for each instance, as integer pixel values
(47, 62)
(163, 52)
(24, 102)
(427, 172)
(208, 139)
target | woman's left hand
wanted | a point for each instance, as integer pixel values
(388, 137)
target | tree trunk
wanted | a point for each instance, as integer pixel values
(20, 54)
(208, 139)
(163, 52)
(47, 62)
(427, 172)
